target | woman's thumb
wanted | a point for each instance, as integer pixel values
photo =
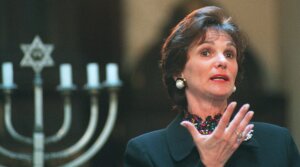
(191, 128)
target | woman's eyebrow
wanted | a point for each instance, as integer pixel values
(212, 42)
(209, 42)
(231, 44)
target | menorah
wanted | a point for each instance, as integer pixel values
(37, 56)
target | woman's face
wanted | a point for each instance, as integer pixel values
(212, 66)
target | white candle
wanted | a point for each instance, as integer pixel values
(65, 75)
(92, 74)
(7, 74)
(112, 76)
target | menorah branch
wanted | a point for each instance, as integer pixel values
(102, 138)
(8, 121)
(83, 141)
(62, 132)
(14, 155)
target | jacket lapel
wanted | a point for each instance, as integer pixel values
(179, 140)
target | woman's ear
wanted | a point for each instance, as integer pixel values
(175, 77)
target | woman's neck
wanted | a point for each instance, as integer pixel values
(206, 107)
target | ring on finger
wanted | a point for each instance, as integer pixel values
(239, 135)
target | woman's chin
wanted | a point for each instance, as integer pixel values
(221, 94)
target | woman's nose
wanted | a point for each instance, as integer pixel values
(221, 61)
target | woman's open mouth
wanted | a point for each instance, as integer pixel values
(219, 77)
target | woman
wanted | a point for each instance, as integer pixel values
(200, 62)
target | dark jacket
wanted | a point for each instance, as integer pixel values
(270, 146)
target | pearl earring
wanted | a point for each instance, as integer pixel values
(233, 89)
(180, 83)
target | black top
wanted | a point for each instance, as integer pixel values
(270, 146)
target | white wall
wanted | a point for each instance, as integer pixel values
(290, 58)
(143, 21)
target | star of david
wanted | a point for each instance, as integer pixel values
(37, 55)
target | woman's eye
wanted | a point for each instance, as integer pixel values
(205, 52)
(229, 54)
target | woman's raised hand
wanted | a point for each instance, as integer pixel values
(215, 149)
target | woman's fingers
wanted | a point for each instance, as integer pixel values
(241, 129)
(234, 134)
(244, 134)
(225, 119)
(234, 124)
(247, 130)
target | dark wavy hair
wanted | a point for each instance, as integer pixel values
(188, 32)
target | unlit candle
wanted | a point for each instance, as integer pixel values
(66, 75)
(112, 76)
(7, 74)
(92, 74)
